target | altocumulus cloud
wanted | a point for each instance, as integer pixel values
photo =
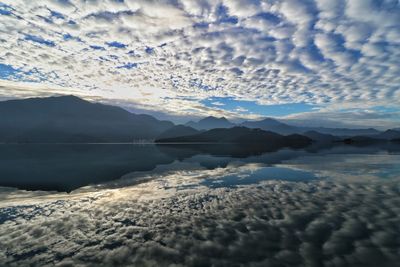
(328, 53)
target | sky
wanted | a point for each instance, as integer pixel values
(313, 62)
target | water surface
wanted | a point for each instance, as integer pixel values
(66, 167)
(196, 205)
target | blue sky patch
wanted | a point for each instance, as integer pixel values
(39, 40)
(67, 37)
(5, 12)
(116, 44)
(244, 106)
(5, 9)
(96, 47)
(272, 18)
(47, 20)
(57, 15)
(6, 71)
(224, 17)
(149, 50)
(128, 66)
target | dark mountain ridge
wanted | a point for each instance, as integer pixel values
(68, 119)
(269, 124)
(178, 131)
(274, 125)
(242, 135)
(210, 122)
(71, 119)
(388, 135)
(319, 137)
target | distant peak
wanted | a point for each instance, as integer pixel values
(54, 98)
(68, 97)
(215, 118)
(268, 119)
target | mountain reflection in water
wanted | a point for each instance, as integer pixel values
(68, 167)
(195, 205)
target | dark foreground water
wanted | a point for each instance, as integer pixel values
(196, 205)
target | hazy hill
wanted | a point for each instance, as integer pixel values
(362, 140)
(241, 135)
(178, 131)
(210, 123)
(389, 135)
(269, 124)
(386, 136)
(342, 131)
(319, 137)
(71, 119)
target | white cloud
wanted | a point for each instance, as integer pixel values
(242, 8)
(270, 52)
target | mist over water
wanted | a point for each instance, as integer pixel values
(196, 205)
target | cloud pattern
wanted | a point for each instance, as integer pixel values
(275, 223)
(171, 54)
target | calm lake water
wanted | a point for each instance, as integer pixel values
(199, 205)
(68, 167)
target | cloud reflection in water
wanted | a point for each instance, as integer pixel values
(175, 219)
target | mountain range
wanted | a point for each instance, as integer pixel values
(269, 124)
(178, 131)
(69, 119)
(282, 128)
(242, 135)
(210, 122)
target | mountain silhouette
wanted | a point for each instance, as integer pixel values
(210, 123)
(342, 131)
(178, 131)
(386, 136)
(389, 135)
(361, 140)
(269, 124)
(242, 135)
(71, 119)
(319, 137)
